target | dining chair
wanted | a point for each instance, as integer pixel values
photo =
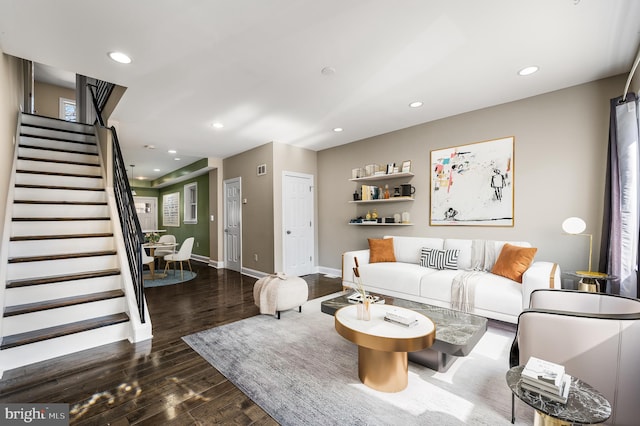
(162, 252)
(149, 261)
(184, 254)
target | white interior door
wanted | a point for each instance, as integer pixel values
(147, 210)
(297, 223)
(233, 224)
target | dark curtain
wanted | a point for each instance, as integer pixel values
(621, 218)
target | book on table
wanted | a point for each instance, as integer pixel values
(561, 396)
(546, 378)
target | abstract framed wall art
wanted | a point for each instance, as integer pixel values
(473, 184)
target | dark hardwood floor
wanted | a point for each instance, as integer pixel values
(161, 381)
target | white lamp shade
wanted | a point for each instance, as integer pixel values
(574, 225)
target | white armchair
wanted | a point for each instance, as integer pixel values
(595, 336)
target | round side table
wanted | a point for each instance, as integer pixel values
(584, 406)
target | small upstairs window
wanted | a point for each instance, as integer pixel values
(191, 203)
(67, 109)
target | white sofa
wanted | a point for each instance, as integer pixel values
(496, 297)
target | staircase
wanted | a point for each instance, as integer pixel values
(64, 288)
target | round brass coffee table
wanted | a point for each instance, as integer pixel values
(382, 346)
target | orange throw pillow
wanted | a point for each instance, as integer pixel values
(381, 250)
(514, 261)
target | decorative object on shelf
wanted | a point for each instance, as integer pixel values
(405, 217)
(576, 226)
(406, 166)
(356, 173)
(396, 218)
(396, 191)
(371, 169)
(374, 214)
(368, 216)
(386, 192)
(356, 196)
(476, 180)
(390, 168)
(406, 190)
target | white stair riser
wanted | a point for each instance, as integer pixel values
(59, 134)
(39, 293)
(22, 229)
(59, 210)
(43, 166)
(45, 194)
(55, 144)
(40, 351)
(53, 317)
(46, 268)
(36, 120)
(52, 180)
(58, 156)
(61, 246)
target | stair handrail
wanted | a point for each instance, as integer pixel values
(129, 222)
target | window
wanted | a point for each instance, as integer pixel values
(191, 203)
(68, 109)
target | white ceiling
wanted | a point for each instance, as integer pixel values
(255, 65)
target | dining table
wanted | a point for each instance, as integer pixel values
(152, 249)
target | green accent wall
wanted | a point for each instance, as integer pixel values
(200, 230)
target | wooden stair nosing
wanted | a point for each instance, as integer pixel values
(57, 219)
(35, 336)
(64, 188)
(40, 172)
(64, 203)
(27, 126)
(66, 151)
(49, 160)
(60, 236)
(40, 126)
(62, 302)
(24, 259)
(24, 282)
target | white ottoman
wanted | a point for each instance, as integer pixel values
(280, 292)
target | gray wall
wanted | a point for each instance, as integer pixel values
(559, 171)
(257, 213)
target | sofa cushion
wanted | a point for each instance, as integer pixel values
(464, 255)
(439, 259)
(408, 249)
(400, 277)
(437, 286)
(381, 250)
(513, 261)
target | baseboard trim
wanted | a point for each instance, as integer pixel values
(200, 258)
(328, 271)
(253, 273)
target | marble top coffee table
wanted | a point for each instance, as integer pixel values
(383, 346)
(457, 332)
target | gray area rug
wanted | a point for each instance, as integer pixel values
(301, 372)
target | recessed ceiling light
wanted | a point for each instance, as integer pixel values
(415, 104)
(218, 125)
(338, 129)
(172, 151)
(120, 57)
(328, 71)
(177, 159)
(528, 70)
(156, 170)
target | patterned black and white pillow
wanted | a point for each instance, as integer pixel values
(439, 259)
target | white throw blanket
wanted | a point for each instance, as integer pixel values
(265, 293)
(483, 257)
(463, 290)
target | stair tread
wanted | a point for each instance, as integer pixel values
(71, 188)
(67, 151)
(62, 330)
(60, 237)
(70, 203)
(49, 160)
(41, 172)
(61, 302)
(56, 219)
(61, 256)
(23, 282)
